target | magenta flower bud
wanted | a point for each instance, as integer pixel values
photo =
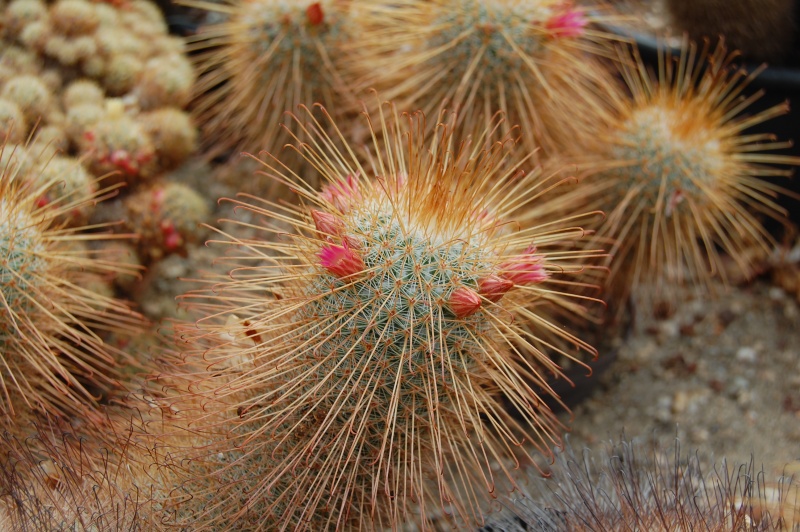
(568, 23)
(341, 261)
(327, 224)
(341, 193)
(464, 301)
(527, 268)
(494, 287)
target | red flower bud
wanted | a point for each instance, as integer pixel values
(464, 301)
(494, 287)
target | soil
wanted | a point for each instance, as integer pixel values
(722, 375)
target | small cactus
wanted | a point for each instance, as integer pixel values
(268, 56)
(166, 216)
(535, 61)
(678, 177)
(357, 361)
(55, 361)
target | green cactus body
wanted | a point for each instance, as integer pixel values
(21, 265)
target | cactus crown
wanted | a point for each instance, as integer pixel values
(501, 34)
(526, 59)
(266, 57)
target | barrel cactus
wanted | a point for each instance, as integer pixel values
(356, 358)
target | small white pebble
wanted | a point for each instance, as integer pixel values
(746, 354)
(670, 328)
(776, 293)
(680, 401)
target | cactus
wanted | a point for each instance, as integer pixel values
(679, 178)
(357, 361)
(534, 61)
(266, 57)
(167, 216)
(55, 361)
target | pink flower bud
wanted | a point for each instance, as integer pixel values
(494, 287)
(341, 261)
(327, 224)
(568, 23)
(341, 193)
(464, 301)
(527, 268)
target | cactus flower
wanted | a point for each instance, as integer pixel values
(341, 193)
(327, 224)
(567, 23)
(494, 287)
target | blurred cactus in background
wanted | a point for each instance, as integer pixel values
(680, 179)
(537, 62)
(264, 58)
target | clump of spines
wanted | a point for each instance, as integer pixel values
(365, 355)
(678, 176)
(629, 488)
(534, 61)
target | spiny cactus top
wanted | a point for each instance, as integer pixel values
(54, 359)
(678, 175)
(534, 60)
(265, 57)
(357, 355)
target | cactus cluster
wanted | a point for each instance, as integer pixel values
(117, 45)
(381, 346)
(127, 128)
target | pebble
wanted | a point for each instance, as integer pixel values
(680, 401)
(777, 294)
(670, 328)
(663, 411)
(746, 354)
